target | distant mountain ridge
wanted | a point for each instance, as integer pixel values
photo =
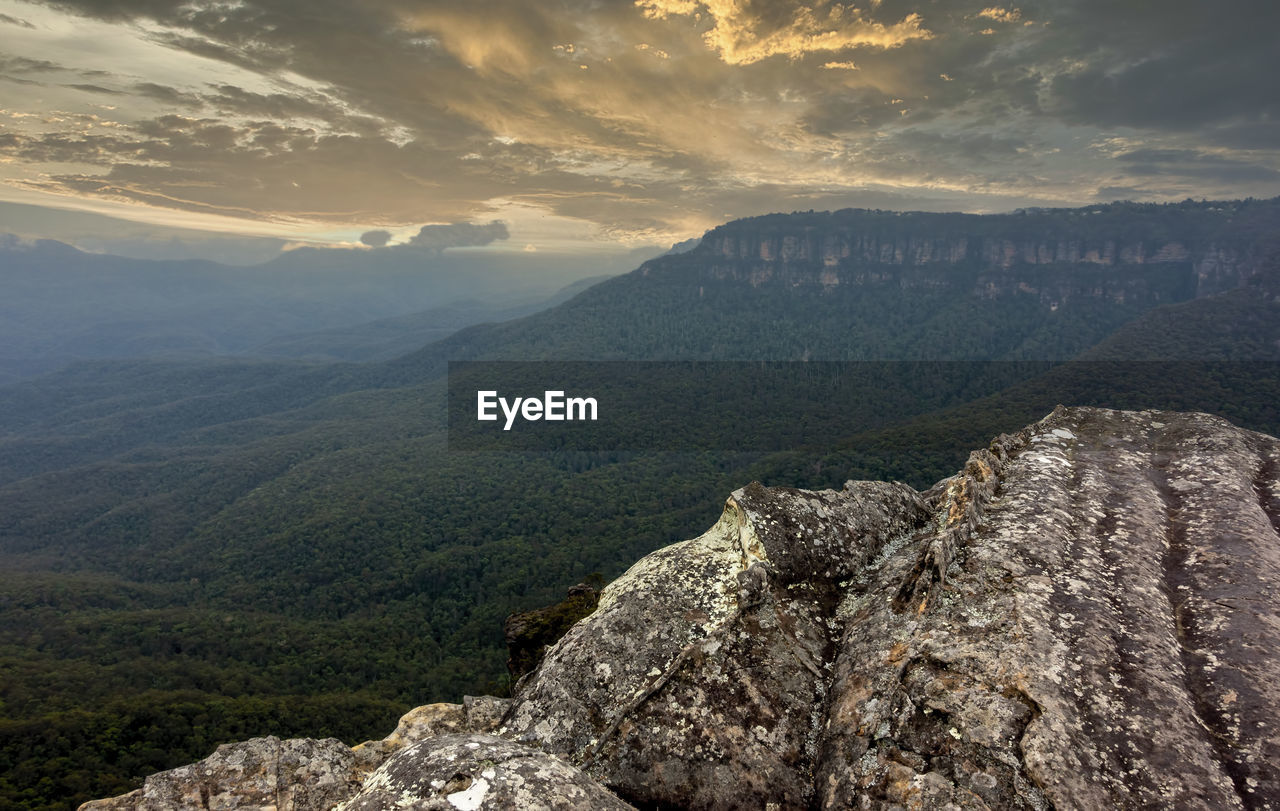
(61, 304)
(387, 338)
(876, 285)
(1219, 241)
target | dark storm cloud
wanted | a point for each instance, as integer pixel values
(1257, 134)
(458, 235)
(1185, 90)
(234, 99)
(979, 158)
(375, 239)
(1176, 65)
(1190, 163)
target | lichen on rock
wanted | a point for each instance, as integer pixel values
(298, 774)
(467, 772)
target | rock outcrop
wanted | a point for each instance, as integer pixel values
(301, 774)
(463, 772)
(260, 773)
(1087, 616)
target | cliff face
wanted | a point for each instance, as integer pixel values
(1181, 251)
(1088, 615)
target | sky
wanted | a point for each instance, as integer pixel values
(597, 125)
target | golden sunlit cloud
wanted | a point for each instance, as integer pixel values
(741, 36)
(484, 43)
(1001, 15)
(658, 52)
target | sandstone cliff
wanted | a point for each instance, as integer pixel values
(1147, 252)
(1087, 616)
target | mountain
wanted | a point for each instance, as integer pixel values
(1239, 324)
(873, 285)
(389, 338)
(204, 551)
(1219, 354)
(994, 641)
(62, 304)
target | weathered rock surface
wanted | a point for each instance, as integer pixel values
(300, 774)
(1106, 634)
(701, 672)
(463, 772)
(1087, 616)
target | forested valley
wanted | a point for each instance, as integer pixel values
(203, 551)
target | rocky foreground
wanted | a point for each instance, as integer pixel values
(1087, 616)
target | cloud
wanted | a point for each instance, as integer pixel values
(1182, 66)
(1193, 164)
(689, 111)
(5, 18)
(22, 64)
(746, 32)
(1110, 194)
(375, 239)
(458, 235)
(1002, 15)
(167, 95)
(102, 234)
(93, 88)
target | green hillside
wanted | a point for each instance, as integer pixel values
(200, 552)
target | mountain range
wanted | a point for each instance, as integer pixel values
(205, 549)
(62, 304)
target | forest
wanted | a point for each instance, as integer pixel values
(200, 552)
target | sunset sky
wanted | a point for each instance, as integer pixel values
(582, 124)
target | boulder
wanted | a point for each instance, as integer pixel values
(1088, 615)
(298, 774)
(473, 771)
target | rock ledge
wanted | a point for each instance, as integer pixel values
(1088, 615)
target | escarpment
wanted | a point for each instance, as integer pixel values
(1118, 252)
(1086, 616)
